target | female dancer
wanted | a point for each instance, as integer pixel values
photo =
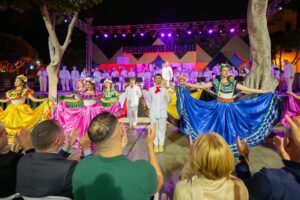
(74, 95)
(18, 114)
(110, 95)
(251, 119)
(71, 118)
(291, 108)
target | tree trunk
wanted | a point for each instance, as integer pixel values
(52, 71)
(260, 44)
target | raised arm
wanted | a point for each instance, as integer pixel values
(4, 100)
(204, 86)
(246, 89)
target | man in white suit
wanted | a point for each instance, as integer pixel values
(74, 77)
(167, 73)
(65, 77)
(289, 75)
(159, 100)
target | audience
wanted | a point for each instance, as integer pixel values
(208, 174)
(109, 174)
(8, 163)
(46, 172)
(283, 183)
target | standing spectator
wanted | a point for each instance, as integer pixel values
(273, 184)
(84, 74)
(147, 79)
(124, 75)
(289, 75)
(133, 94)
(131, 73)
(159, 99)
(233, 71)
(167, 73)
(65, 77)
(207, 74)
(114, 73)
(194, 76)
(105, 74)
(97, 78)
(43, 79)
(207, 175)
(216, 70)
(74, 77)
(109, 174)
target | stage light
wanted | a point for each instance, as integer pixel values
(244, 30)
(115, 36)
(169, 34)
(31, 67)
(142, 34)
(133, 35)
(200, 32)
(210, 31)
(220, 31)
(123, 35)
(97, 36)
(280, 8)
(105, 35)
(162, 35)
(38, 62)
(66, 20)
(189, 32)
(232, 30)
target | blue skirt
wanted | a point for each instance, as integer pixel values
(251, 119)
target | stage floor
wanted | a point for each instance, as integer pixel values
(177, 151)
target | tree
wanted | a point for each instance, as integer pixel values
(260, 46)
(51, 11)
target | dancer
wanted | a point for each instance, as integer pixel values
(159, 99)
(109, 95)
(133, 94)
(291, 108)
(74, 95)
(18, 114)
(72, 118)
(251, 119)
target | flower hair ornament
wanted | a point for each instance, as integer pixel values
(107, 81)
(89, 79)
(181, 79)
(223, 65)
(23, 78)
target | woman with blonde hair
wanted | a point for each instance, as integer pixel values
(208, 174)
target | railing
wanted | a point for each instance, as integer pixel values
(160, 48)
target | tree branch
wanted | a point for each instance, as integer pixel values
(51, 49)
(70, 31)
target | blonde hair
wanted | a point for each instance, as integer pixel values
(212, 157)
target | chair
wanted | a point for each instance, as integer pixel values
(46, 198)
(17, 195)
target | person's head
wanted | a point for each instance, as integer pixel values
(158, 79)
(80, 83)
(105, 130)
(212, 157)
(224, 70)
(285, 61)
(20, 80)
(74, 67)
(89, 83)
(47, 136)
(64, 67)
(3, 137)
(132, 81)
(107, 84)
(166, 64)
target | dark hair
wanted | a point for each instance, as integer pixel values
(158, 75)
(44, 134)
(102, 127)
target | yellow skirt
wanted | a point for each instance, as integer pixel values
(18, 116)
(172, 110)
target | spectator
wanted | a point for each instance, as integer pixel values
(109, 174)
(289, 75)
(65, 77)
(283, 183)
(207, 175)
(45, 172)
(8, 163)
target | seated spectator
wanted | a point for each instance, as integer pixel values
(46, 172)
(283, 183)
(211, 163)
(109, 174)
(8, 163)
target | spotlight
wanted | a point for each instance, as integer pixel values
(232, 30)
(189, 32)
(142, 34)
(123, 35)
(31, 67)
(280, 8)
(105, 35)
(169, 34)
(66, 20)
(162, 35)
(115, 36)
(210, 31)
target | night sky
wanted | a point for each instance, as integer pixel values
(30, 26)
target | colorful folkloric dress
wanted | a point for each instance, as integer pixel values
(72, 118)
(72, 104)
(291, 108)
(18, 114)
(251, 119)
(109, 95)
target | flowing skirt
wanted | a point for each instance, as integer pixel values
(73, 118)
(291, 108)
(18, 116)
(251, 119)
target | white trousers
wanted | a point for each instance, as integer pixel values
(132, 114)
(65, 84)
(43, 84)
(74, 84)
(289, 84)
(161, 125)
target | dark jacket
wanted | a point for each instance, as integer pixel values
(45, 174)
(267, 184)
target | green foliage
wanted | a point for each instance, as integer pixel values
(14, 47)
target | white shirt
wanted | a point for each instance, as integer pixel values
(147, 76)
(97, 76)
(64, 74)
(42, 74)
(83, 74)
(75, 74)
(105, 75)
(18, 101)
(158, 102)
(115, 74)
(289, 70)
(124, 73)
(89, 102)
(131, 74)
(167, 73)
(133, 94)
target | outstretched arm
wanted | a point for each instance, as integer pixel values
(72, 100)
(4, 100)
(294, 95)
(32, 98)
(204, 86)
(246, 89)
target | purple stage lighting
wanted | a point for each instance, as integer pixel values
(189, 32)
(115, 36)
(142, 34)
(123, 35)
(97, 36)
(65, 20)
(210, 31)
(232, 30)
(280, 8)
(162, 35)
(105, 35)
(169, 34)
